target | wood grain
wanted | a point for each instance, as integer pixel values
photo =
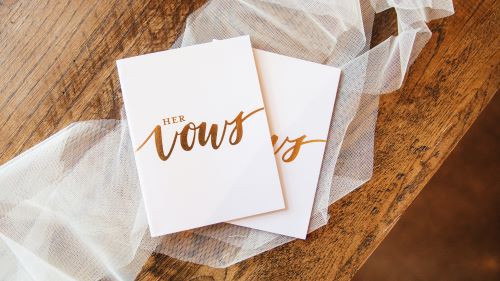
(57, 67)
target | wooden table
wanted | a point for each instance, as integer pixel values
(57, 67)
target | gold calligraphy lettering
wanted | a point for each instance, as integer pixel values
(188, 143)
(235, 136)
(291, 153)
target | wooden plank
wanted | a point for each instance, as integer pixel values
(57, 67)
(57, 63)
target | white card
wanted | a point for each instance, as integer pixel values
(299, 98)
(209, 177)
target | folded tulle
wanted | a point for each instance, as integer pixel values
(71, 207)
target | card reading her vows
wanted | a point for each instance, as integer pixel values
(299, 97)
(200, 135)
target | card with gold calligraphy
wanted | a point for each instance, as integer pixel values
(299, 98)
(200, 135)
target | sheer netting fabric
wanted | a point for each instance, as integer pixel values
(71, 206)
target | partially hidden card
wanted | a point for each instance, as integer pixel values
(299, 98)
(200, 135)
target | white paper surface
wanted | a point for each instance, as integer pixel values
(202, 185)
(299, 98)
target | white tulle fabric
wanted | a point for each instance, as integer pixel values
(71, 207)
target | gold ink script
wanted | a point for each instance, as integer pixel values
(291, 153)
(187, 143)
